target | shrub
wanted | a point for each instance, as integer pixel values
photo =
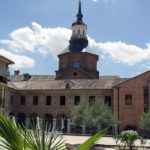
(128, 138)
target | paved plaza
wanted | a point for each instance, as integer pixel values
(105, 141)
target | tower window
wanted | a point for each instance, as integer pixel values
(22, 100)
(107, 101)
(83, 32)
(91, 100)
(128, 99)
(35, 100)
(62, 100)
(76, 65)
(78, 31)
(76, 100)
(48, 100)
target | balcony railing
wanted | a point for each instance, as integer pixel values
(5, 73)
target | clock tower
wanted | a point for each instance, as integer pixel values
(76, 64)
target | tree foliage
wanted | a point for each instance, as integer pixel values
(128, 138)
(145, 121)
(96, 116)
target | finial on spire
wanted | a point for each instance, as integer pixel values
(79, 15)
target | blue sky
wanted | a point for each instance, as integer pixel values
(34, 32)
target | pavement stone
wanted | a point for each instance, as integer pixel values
(104, 141)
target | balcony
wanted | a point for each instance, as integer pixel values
(4, 72)
(4, 75)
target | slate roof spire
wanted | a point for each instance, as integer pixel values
(79, 14)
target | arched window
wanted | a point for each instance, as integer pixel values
(62, 122)
(21, 118)
(33, 119)
(49, 121)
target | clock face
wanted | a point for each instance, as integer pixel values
(76, 65)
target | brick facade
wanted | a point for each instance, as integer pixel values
(77, 65)
(129, 98)
(55, 110)
(129, 115)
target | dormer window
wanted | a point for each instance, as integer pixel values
(67, 86)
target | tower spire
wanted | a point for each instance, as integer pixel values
(79, 14)
(78, 39)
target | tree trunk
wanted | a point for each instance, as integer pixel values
(131, 147)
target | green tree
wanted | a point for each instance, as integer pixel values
(97, 116)
(145, 121)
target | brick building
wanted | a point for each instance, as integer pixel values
(77, 81)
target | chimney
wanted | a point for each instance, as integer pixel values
(17, 72)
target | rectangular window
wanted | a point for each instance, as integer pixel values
(48, 100)
(62, 100)
(22, 100)
(35, 100)
(12, 100)
(128, 99)
(146, 98)
(77, 100)
(91, 100)
(108, 101)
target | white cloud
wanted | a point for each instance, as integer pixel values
(20, 60)
(21, 39)
(122, 52)
(105, 1)
(95, 0)
(38, 39)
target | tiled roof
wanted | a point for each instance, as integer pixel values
(5, 60)
(49, 83)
